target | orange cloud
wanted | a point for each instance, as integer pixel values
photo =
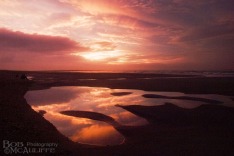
(102, 46)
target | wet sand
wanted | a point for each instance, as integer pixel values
(121, 93)
(189, 84)
(206, 130)
(93, 116)
(209, 101)
(169, 114)
(20, 123)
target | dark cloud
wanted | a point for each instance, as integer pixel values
(32, 51)
(15, 41)
(209, 31)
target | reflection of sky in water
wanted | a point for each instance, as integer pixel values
(100, 100)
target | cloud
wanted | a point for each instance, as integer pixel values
(208, 31)
(33, 51)
(137, 59)
(150, 28)
(127, 22)
(21, 42)
(102, 46)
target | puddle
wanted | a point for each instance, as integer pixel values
(104, 101)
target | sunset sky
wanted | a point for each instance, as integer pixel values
(117, 34)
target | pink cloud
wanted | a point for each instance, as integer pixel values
(21, 42)
(33, 51)
(159, 30)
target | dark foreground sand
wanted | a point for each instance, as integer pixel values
(206, 130)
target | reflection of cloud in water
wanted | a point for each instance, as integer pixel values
(67, 125)
(127, 118)
(95, 99)
(50, 96)
(98, 134)
(51, 108)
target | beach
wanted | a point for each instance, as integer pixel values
(205, 130)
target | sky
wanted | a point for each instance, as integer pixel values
(117, 34)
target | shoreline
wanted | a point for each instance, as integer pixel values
(189, 84)
(20, 122)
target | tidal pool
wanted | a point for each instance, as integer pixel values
(101, 100)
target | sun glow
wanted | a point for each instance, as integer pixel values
(100, 55)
